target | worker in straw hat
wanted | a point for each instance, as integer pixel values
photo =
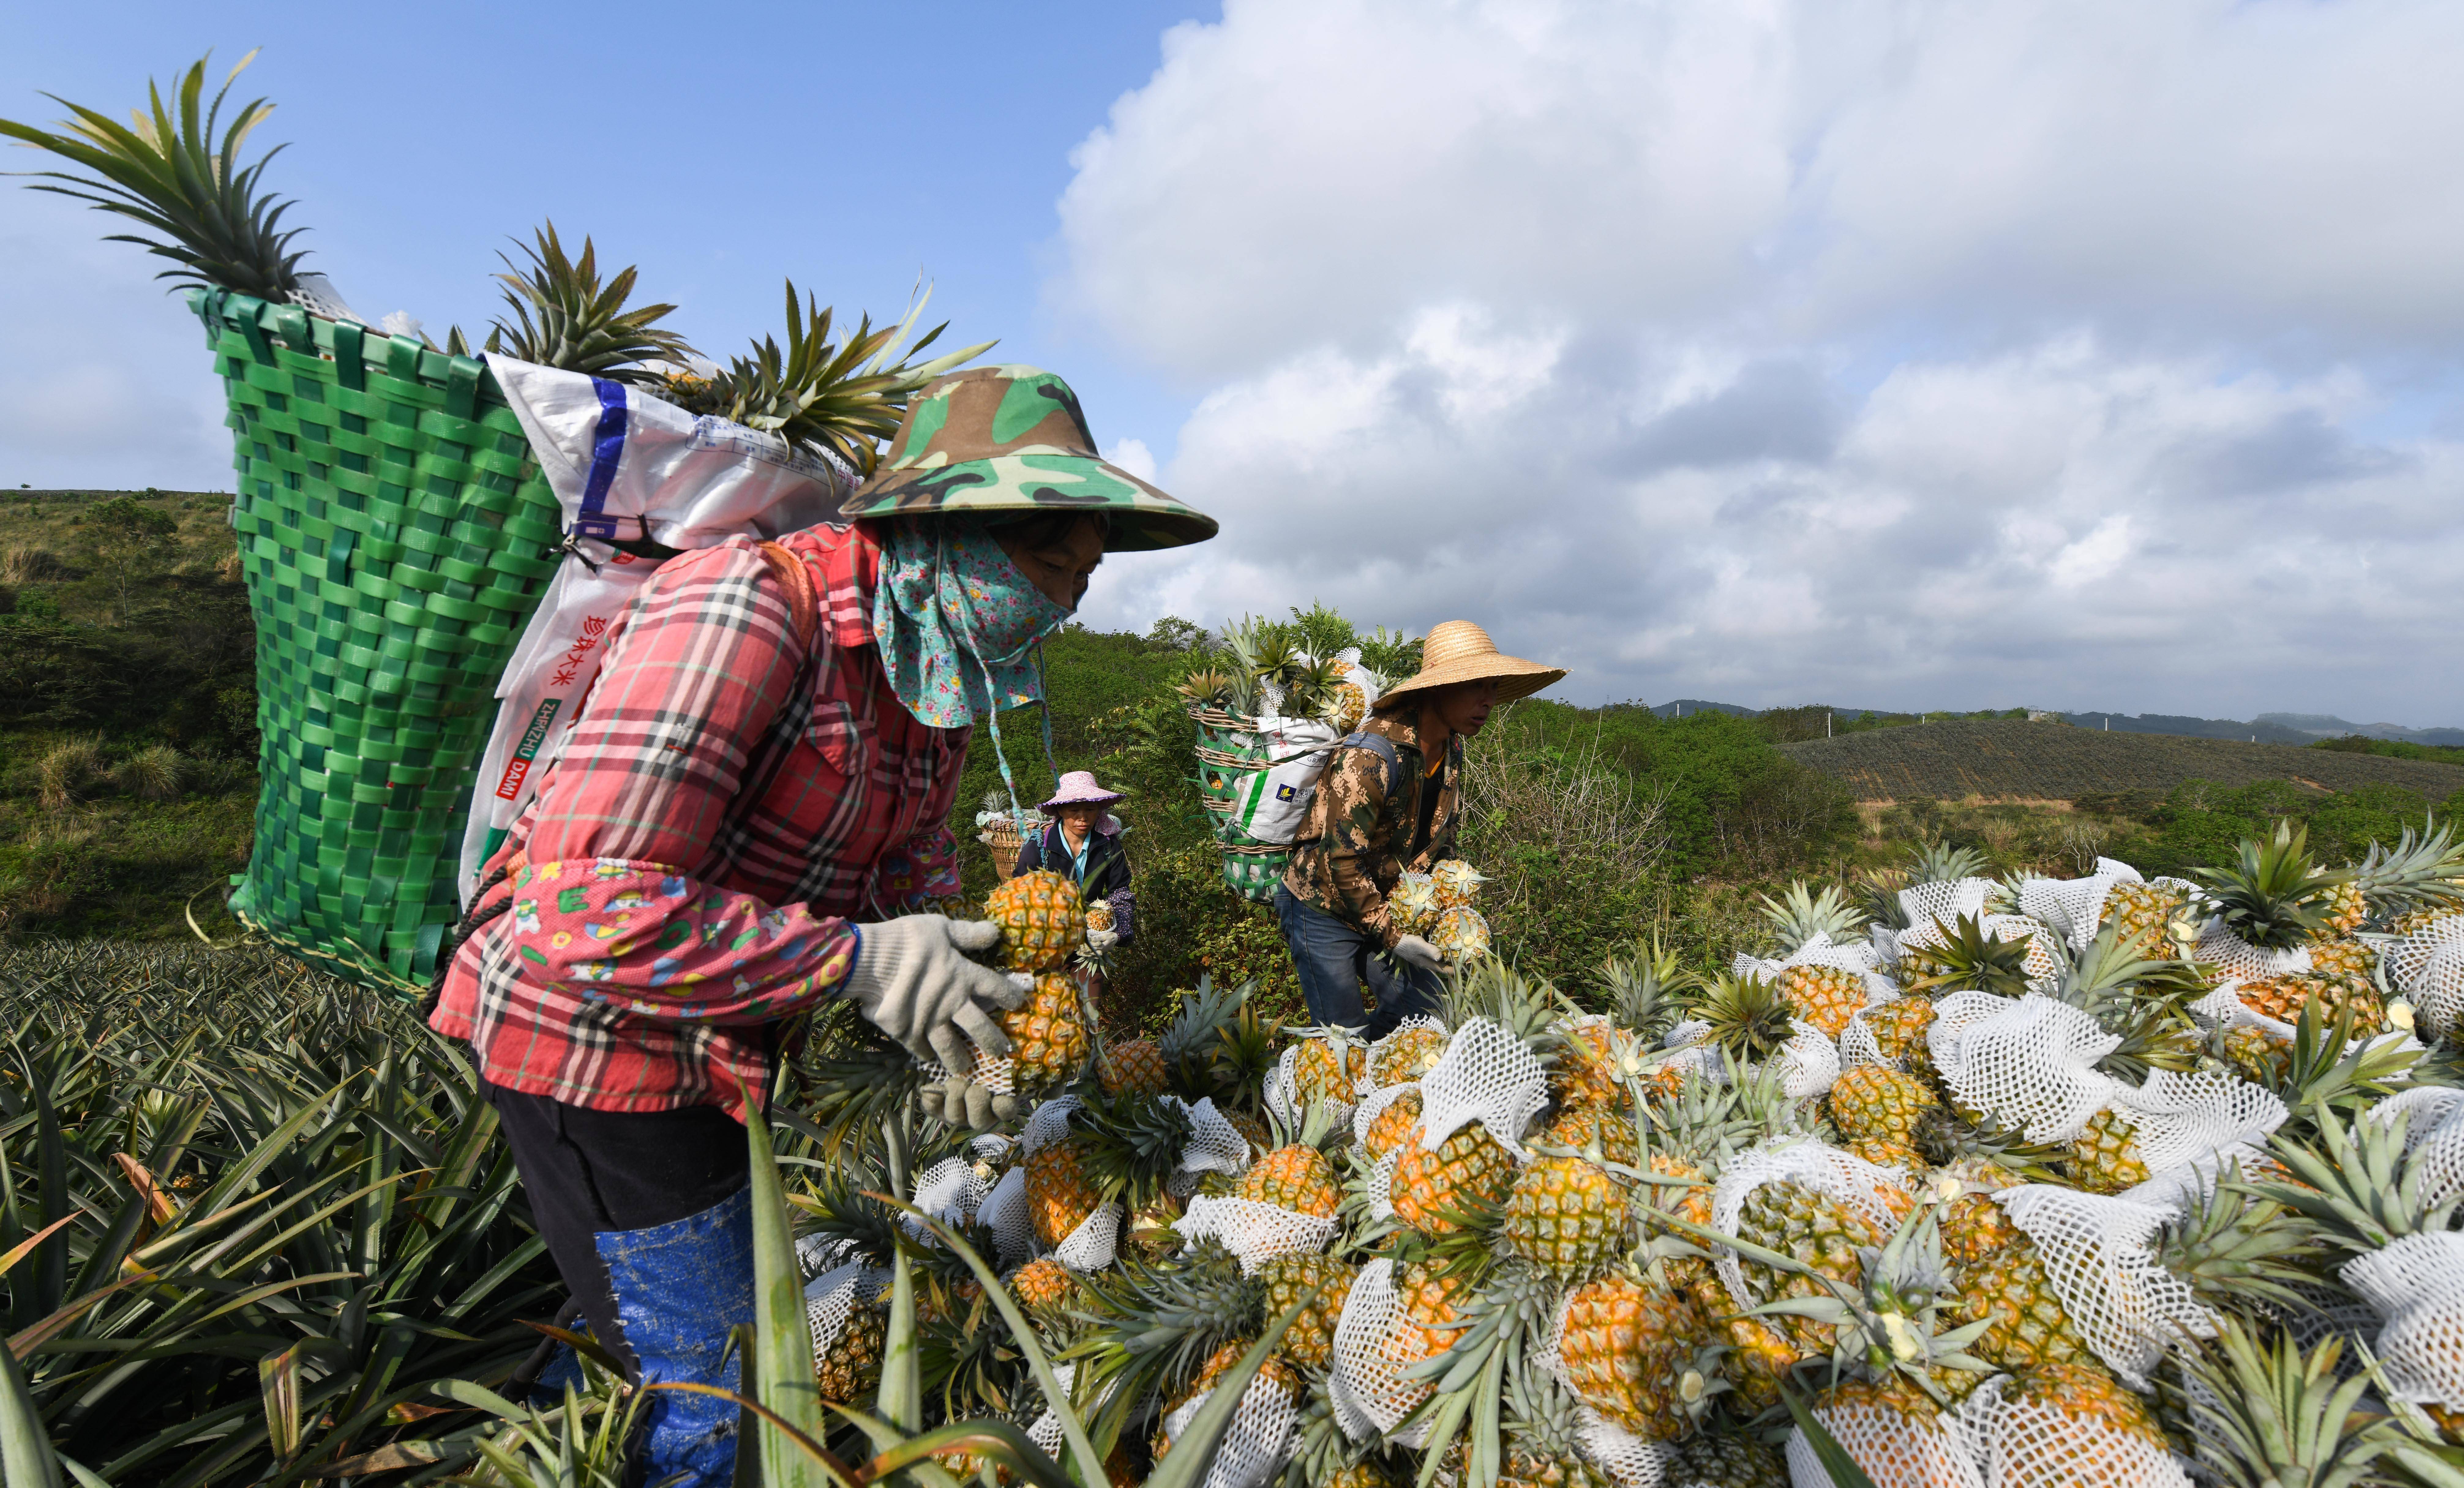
(1389, 803)
(754, 797)
(1081, 843)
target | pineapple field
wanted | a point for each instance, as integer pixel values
(1948, 1179)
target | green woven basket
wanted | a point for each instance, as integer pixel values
(395, 536)
(1251, 868)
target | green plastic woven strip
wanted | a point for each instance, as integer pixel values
(395, 536)
(1251, 868)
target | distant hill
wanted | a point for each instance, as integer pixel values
(2293, 728)
(1957, 759)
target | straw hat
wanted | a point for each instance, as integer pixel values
(1458, 650)
(1078, 788)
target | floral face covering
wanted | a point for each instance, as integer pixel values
(957, 623)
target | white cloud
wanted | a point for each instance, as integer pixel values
(1894, 355)
(1133, 456)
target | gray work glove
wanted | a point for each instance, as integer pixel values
(1413, 950)
(911, 980)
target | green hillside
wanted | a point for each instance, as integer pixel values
(2009, 760)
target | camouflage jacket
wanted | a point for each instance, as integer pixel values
(1349, 851)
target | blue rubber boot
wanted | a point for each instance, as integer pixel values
(680, 1287)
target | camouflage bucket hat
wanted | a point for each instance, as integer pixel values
(1012, 438)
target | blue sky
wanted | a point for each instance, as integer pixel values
(2081, 354)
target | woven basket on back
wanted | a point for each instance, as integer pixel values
(395, 535)
(1003, 840)
(1227, 753)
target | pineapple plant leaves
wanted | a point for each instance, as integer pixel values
(166, 169)
(582, 325)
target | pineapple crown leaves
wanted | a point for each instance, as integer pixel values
(840, 398)
(1245, 1051)
(582, 325)
(1528, 1008)
(1945, 1137)
(1803, 915)
(2270, 1413)
(2229, 1246)
(1750, 1016)
(1541, 1419)
(2143, 1002)
(2274, 896)
(2357, 1187)
(1152, 1325)
(1890, 1321)
(1506, 1317)
(2419, 873)
(2328, 1070)
(1969, 958)
(1206, 1011)
(1128, 1142)
(1937, 862)
(1640, 990)
(1878, 893)
(165, 170)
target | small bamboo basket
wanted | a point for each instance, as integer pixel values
(1228, 751)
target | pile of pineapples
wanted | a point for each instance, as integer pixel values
(1965, 1181)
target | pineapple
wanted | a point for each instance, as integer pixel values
(1975, 1226)
(1457, 883)
(1060, 1192)
(1405, 1055)
(2347, 958)
(1961, 955)
(2256, 1054)
(1626, 1348)
(1587, 1069)
(2090, 1399)
(1824, 996)
(2143, 915)
(1710, 1460)
(581, 327)
(1868, 1101)
(2280, 997)
(1567, 1217)
(1749, 1017)
(1885, 1152)
(1043, 1287)
(1328, 1068)
(1043, 924)
(1542, 1443)
(2104, 1157)
(1899, 1029)
(1461, 934)
(1047, 1033)
(1099, 916)
(1310, 1341)
(2346, 910)
(1435, 1192)
(1151, 1224)
(1414, 906)
(1819, 1234)
(1346, 707)
(1277, 1374)
(1427, 1292)
(1297, 1177)
(1394, 1125)
(2007, 1289)
(1137, 1065)
(849, 1370)
(1581, 1127)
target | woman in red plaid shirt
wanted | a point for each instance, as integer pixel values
(751, 802)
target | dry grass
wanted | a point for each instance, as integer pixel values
(68, 770)
(26, 564)
(159, 774)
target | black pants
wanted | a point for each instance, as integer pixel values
(585, 1171)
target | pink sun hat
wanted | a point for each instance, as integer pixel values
(1078, 788)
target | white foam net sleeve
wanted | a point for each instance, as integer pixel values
(1686, 1033)
(1629, 1460)
(1946, 1035)
(1254, 1232)
(1046, 1432)
(1282, 1088)
(1808, 1063)
(1382, 1185)
(2072, 906)
(2182, 1115)
(1091, 1246)
(1048, 1123)
(1005, 1214)
(1856, 1043)
(1368, 1081)
(1260, 1437)
(2176, 1189)
(2043, 963)
(2236, 960)
(1215, 1145)
(2428, 966)
(2020, 1442)
(1925, 902)
(1850, 1181)
(2032, 1065)
(1894, 1450)
(1373, 1105)
(2417, 1285)
(2433, 1135)
(816, 1254)
(2124, 1303)
(1366, 1382)
(1487, 1075)
(831, 1297)
(950, 1192)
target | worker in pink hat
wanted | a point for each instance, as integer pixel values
(1083, 844)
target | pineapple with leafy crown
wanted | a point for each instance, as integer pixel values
(1296, 1177)
(1288, 1279)
(1626, 1348)
(1802, 915)
(1724, 1459)
(1461, 934)
(1963, 957)
(1042, 922)
(1567, 1217)
(1820, 1235)
(1047, 1034)
(1405, 1055)
(2105, 1156)
(1345, 706)
(1439, 1192)
(1899, 1029)
(1939, 862)
(1602, 1135)
(1457, 883)
(1749, 1017)
(1413, 903)
(1043, 1287)
(1328, 1068)
(1543, 1445)
(2007, 1288)
(1591, 1064)
(1116, 1148)
(1394, 1124)
(1824, 996)
(849, 1370)
(2143, 915)
(1139, 1065)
